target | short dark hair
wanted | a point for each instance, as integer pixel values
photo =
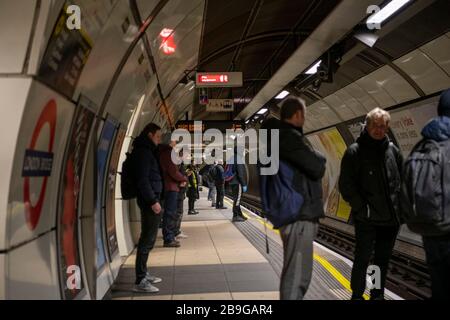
(290, 107)
(150, 128)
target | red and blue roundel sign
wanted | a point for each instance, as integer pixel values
(39, 163)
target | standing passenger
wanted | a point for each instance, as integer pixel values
(219, 181)
(148, 178)
(192, 189)
(172, 181)
(238, 185)
(370, 181)
(435, 232)
(309, 168)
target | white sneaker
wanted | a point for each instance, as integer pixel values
(145, 286)
(182, 236)
(152, 279)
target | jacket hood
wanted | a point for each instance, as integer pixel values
(437, 129)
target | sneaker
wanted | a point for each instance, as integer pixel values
(192, 213)
(173, 244)
(152, 279)
(145, 286)
(239, 219)
(182, 236)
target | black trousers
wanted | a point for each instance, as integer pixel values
(437, 251)
(368, 239)
(149, 230)
(236, 191)
(191, 203)
(220, 195)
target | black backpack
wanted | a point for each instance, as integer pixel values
(425, 195)
(128, 185)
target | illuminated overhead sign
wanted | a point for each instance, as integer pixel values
(219, 79)
(220, 105)
(210, 124)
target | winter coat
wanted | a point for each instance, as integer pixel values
(370, 180)
(171, 173)
(147, 172)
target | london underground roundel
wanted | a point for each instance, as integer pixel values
(38, 163)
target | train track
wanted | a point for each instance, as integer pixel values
(407, 276)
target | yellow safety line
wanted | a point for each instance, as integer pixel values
(324, 262)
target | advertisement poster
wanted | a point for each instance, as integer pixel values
(103, 153)
(331, 144)
(65, 57)
(110, 194)
(69, 196)
(407, 125)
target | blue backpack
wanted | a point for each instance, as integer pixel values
(229, 173)
(281, 203)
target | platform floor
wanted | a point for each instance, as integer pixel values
(223, 261)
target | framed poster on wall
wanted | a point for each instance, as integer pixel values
(104, 147)
(69, 201)
(110, 194)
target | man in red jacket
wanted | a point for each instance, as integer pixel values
(173, 180)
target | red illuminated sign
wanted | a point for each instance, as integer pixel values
(213, 78)
(168, 45)
(219, 79)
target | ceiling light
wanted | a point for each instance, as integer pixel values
(263, 111)
(313, 69)
(282, 95)
(391, 8)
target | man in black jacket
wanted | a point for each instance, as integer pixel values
(147, 175)
(238, 185)
(370, 182)
(219, 181)
(309, 168)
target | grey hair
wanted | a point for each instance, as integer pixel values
(378, 113)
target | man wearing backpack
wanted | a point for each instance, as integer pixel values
(370, 182)
(308, 167)
(238, 184)
(426, 196)
(149, 186)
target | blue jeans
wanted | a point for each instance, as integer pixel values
(170, 216)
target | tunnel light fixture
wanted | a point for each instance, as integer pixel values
(263, 111)
(314, 68)
(283, 94)
(391, 8)
(247, 122)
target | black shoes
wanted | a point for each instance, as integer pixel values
(193, 213)
(221, 208)
(239, 219)
(173, 244)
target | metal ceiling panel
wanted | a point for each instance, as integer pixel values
(375, 88)
(439, 51)
(339, 107)
(427, 74)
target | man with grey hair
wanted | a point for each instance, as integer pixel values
(370, 182)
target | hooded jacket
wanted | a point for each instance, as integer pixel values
(171, 173)
(240, 173)
(437, 129)
(147, 172)
(370, 180)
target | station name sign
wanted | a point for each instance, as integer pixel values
(219, 80)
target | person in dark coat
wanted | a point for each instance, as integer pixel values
(219, 181)
(309, 168)
(370, 182)
(147, 175)
(437, 248)
(192, 193)
(238, 185)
